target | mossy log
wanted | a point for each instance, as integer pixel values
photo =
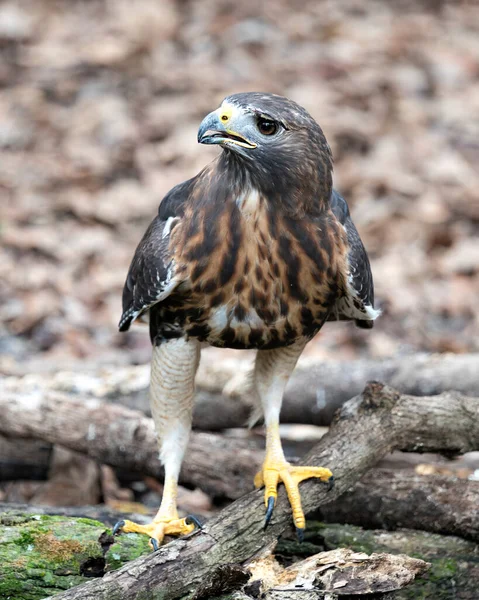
(454, 570)
(367, 428)
(42, 555)
(385, 499)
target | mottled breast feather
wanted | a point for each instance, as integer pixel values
(252, 277)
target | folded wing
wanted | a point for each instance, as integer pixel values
(152, 275)
(358, 302)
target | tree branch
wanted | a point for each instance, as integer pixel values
(316, 389)
(125, 438)
(368, 427)
(390, 500)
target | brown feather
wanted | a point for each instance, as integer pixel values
(255, 283)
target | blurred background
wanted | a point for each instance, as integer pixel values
(99, 108)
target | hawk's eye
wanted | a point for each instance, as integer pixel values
(266, 126)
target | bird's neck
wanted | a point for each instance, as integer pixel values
(296, 192)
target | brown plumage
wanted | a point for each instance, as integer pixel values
(256, 251)
(266, 277)
(258, 256)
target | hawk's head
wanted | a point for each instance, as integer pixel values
(276, 141)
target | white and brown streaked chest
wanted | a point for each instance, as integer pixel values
(253, 277)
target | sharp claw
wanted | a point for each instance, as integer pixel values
(192, 519)
(118, 526)
(155, 545)
(330, 483)
(269, 511)
(300, 534)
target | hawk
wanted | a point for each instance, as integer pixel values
(256, 251)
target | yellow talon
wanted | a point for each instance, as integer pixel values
(157, 529)
(273, 473)
(166, 522)
(276, 469)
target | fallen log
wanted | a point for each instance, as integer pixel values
(27, 460)
(318, 388)
(121, 437)
(323, 387)
(382, 499)
(453, 573)
(100, 512)
(315, 391)
(339, 572)
(368, 427)
(390, 500)
(42, 555)
(454, 562)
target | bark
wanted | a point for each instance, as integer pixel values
(342, 572)
(390, 500)
(29, 574)
(383, 499)
(73, 479)
(315, 392)
(125, 438)
(368, 427)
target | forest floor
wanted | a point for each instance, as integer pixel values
(99, 110)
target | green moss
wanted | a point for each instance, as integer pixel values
(293, 548)
(128, 547)
(332, 536)
(43, 555)
(91, 522)
(25, 539)
(441, 582)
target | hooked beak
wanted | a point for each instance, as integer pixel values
(212, 131)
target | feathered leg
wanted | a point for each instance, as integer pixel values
(173, 368)
(271, 373)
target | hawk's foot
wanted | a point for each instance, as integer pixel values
(157, 529)
(272, 473)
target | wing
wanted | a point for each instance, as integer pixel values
(358, 302)
(152, 275)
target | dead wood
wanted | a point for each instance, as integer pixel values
(368, 427)
(73, 480)
(390, 500)
(341, 572)
(454, 570)
(125, 438)
(316, 390)
(29, 459)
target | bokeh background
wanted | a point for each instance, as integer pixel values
(100, 102)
